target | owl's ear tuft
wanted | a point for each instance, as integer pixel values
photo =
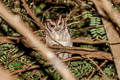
(60, 17)
(48, 20)
(60, 20)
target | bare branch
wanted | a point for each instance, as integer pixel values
(32, 15)
(4, 75)
(112, 34)
(99, 68)
(91, 53)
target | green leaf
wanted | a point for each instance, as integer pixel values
(90, 3)
(0, 20)
(42, 6)
(37, 11)
(5, 27)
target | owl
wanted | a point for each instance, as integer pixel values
(57, 33)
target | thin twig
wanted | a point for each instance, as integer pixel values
(49, 10)
(25, 69)
(93, 72)
(77, 22)
(99, 68)
(32, 14)
(72, 58)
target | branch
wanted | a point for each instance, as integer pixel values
(72, 50)
(89, 41)
(99, 68)
(110, 12)
(91, 53)
(32, 14)
(25, 69)
(4, 75)
(112, 34)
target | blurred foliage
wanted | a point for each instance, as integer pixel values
(88, 24)
(99, 33)
(81, 68)
(109, 70)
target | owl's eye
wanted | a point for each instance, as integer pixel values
(52, 25)
(60, 23)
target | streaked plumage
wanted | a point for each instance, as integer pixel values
(57, 33)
